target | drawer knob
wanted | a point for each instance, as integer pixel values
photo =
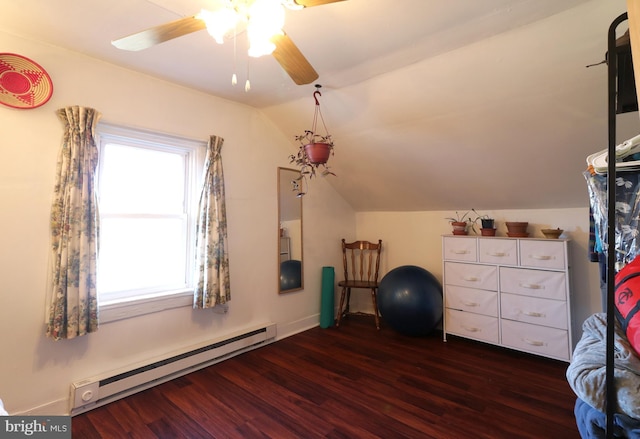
(460, 252)
(470, 303)
(541, 257)
(534, 342)
(498, 254)
(532, 286)
(533, 314)
(467, 328)
(471, 279)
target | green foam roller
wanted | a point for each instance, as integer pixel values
(327, 297)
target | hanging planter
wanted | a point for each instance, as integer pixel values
(318, 152)
(315, 148)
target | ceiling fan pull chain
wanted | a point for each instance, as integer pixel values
(234, 77)
(247, 84)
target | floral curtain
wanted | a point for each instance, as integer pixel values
(212, 260)
(74, 228)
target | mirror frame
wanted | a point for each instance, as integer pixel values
(284, 189)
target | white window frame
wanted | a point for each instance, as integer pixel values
(118, 308)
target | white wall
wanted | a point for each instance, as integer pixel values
(414, 238)
(35, 372)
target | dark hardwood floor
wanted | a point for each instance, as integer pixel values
(352, 382)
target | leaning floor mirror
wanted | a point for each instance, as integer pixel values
(290, 232)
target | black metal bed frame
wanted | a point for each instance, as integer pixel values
(611, 399)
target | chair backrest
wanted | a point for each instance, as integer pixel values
(361, 260)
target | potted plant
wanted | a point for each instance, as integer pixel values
(461, 223)
(488, 224)
(314, 151)
(517, 229)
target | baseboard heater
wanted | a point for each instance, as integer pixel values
(94, 392)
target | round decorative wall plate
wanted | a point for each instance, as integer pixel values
(23, 83)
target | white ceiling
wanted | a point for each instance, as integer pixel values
(433, 104)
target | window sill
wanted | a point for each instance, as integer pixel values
(123, 309)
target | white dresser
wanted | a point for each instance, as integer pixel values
(512, 292)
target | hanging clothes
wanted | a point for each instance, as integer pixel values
(627, 193)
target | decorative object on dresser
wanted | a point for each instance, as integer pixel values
(511, 292)
(461, 223)
(488, 224)
(488, 231)
(517, 229)
(552, 233)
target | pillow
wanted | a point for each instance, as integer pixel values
(627, 301)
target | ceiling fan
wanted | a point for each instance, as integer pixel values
(263, 28)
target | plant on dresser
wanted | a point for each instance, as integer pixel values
(461, 223)
(488, 224)
(511, 292)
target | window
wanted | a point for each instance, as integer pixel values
(148, 194)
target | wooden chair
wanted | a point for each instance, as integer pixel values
(361, 261)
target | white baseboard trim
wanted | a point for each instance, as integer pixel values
(292, 328)
(54, 408)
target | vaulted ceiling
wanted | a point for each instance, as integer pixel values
(433, 105)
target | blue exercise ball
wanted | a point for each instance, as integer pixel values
(290, 275)
(410, 300)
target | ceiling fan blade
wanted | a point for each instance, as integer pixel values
(160, 34)
(293, 61)
(310, 3)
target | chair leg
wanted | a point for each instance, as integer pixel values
(346, 308)
(344, 291)
(374, 298)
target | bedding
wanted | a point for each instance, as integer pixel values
(592, 423)
(586, 373)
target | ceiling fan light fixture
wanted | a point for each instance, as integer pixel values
(219, 22)
(266, 19)
(260, 47)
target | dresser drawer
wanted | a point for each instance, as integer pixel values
(471, 325)
(550, 342)
(459, 248)
(536, 283)
(498, 251)
(483, 277)
(472, 300)
(542, 254)
(534, 310)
